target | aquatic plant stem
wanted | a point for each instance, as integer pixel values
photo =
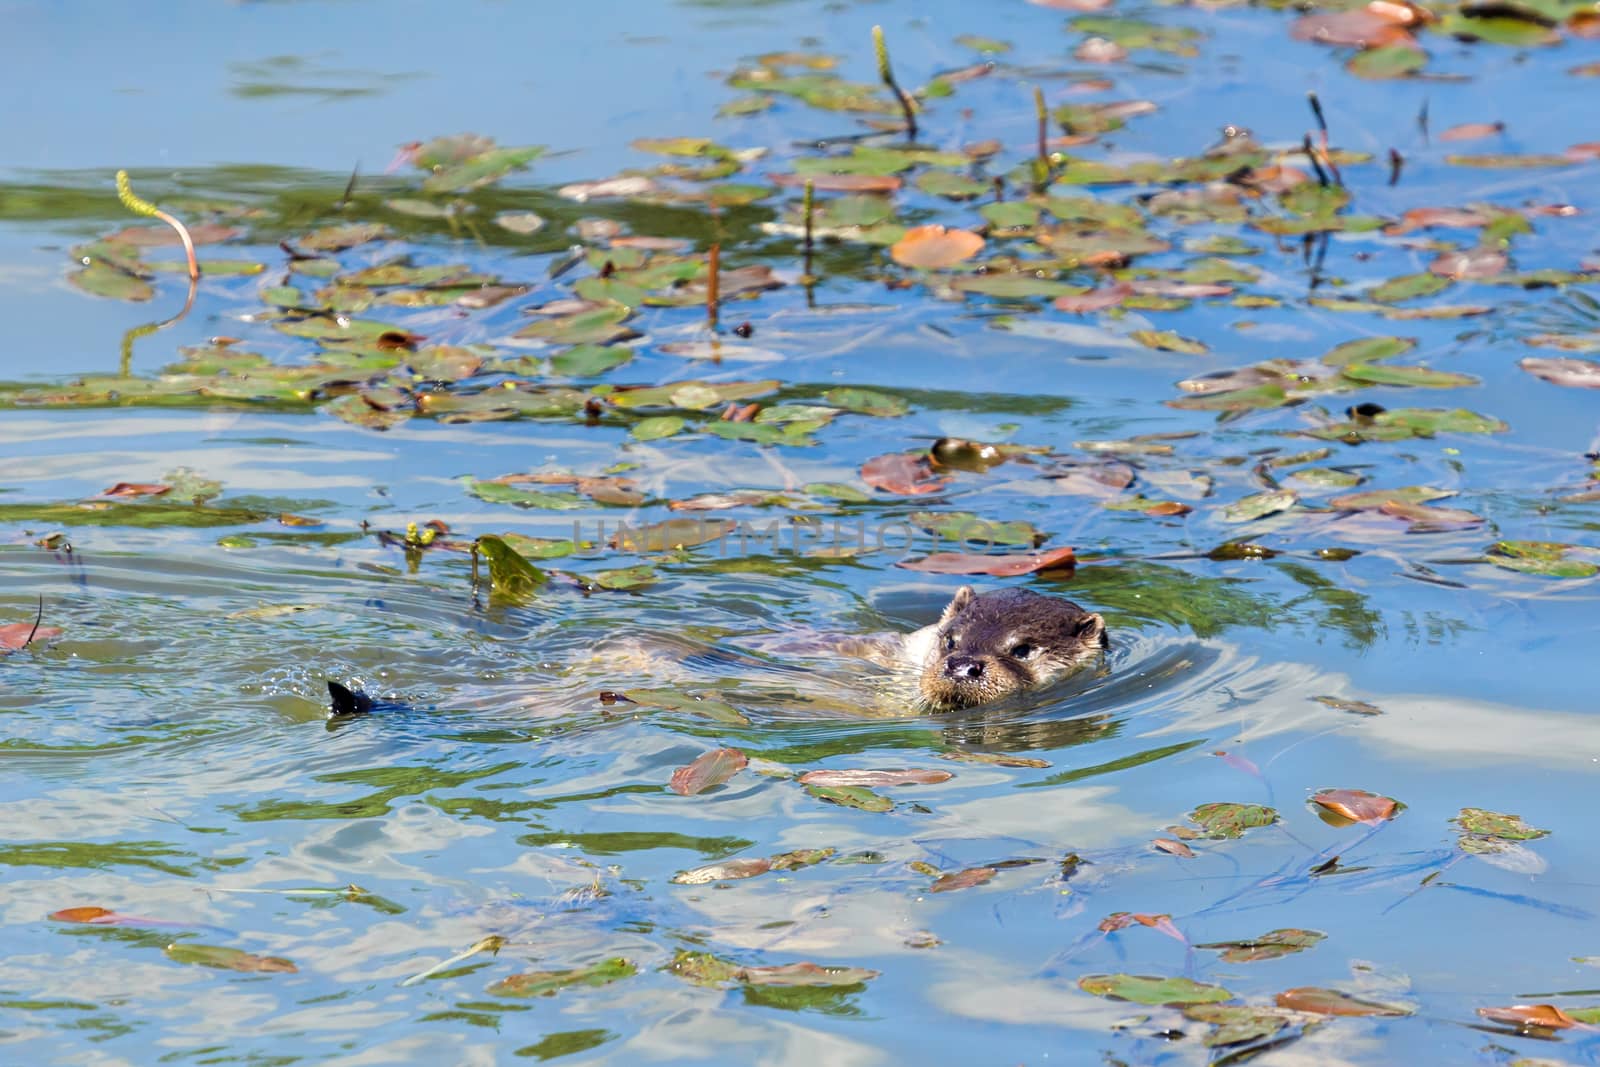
(1041, 167)
(887, 75)
(713, 286)
(134, 204)
(808, 208)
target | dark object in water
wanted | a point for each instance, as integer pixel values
(347, 703)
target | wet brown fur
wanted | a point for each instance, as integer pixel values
(993, 645)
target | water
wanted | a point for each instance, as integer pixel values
(168, 758)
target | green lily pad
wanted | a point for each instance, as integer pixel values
(851, 796)
(1423, 377)
(1152, 990)
(1169, 341)
(1408, 287)
(1268, 946)
(481, 169)
(1487, 823)
(549, 983)
(1368, 350)
(1387, 62)
(656, 427)
(599, 326)
(1229, 820)
(102, 279)
(1259, 505)
(1400, 424)
(866, 401)
(589, 361)
(960, 526)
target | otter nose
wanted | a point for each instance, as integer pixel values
(963, 667)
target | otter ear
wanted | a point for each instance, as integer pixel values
(1092, 630)
(958, 603)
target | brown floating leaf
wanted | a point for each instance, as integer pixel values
(1319, 1001)
(1094, 300)
(1578, 373)
(1543, 1016)
(726, 871)
(935, 247)
(16, 635)
(136, 489)
(85, 915)
(1472, 131)
(1176, 848)
(228, 959)
(901, 472)
(1121, 920)
(841, 183)
(1472, 263)
(994, 566)
(713, 768)
(1268, 946)
(874, 778)
(962, 879)
(1363, 27)
(806, 974)
(1357, 805)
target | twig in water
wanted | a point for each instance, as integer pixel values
(887, 75)
(144, 207)
(1311, 154)
(349, 188)
(1322, 125)
(1396, 162)
(37, 619)
(1422, 119)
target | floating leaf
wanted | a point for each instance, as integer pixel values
(228, 959)
(1577, 373)
(875, 778)
(851, 797)
(657, 427)
(1375, 374)
(1547, 559)
(726, 871)
(1152, 990)
(712, 769)
(998, 566)
(1268, 946)
(1531, 1016)
(1259, 505)
(1175, 848)
(103, 279)
(1168, 341)
(866, 401)
(972, 876)
(935, 247)
(1357, 805)
(909, 474)
(1228, 820)
(1319, 1001)
(1237, 1024)
(549, 983)
(1408, 287)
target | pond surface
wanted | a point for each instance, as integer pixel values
(1318, 431)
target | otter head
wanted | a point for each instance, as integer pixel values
(996, 644)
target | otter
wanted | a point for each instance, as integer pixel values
(987, 646)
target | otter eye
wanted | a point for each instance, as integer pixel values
(1021, 651)
(949, 642)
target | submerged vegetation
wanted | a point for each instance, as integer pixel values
(1254, 396)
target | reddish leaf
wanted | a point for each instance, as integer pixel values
(1362, 27)
(134, 489)
(994, 566)
(1577, 373)
(1473, 263)
(1472, 131)
(1357, 805)
(103, 916)
(1095, 299)
(1176, 848)
(21, 634)
(154, 236)
(713, 768)
(1319, 1001)
(841, 183)
(1121, 920)
(1546, 1016)
(903, 473)
(935, 247)
(1423, 218)
(873, 778)
(962, 879)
